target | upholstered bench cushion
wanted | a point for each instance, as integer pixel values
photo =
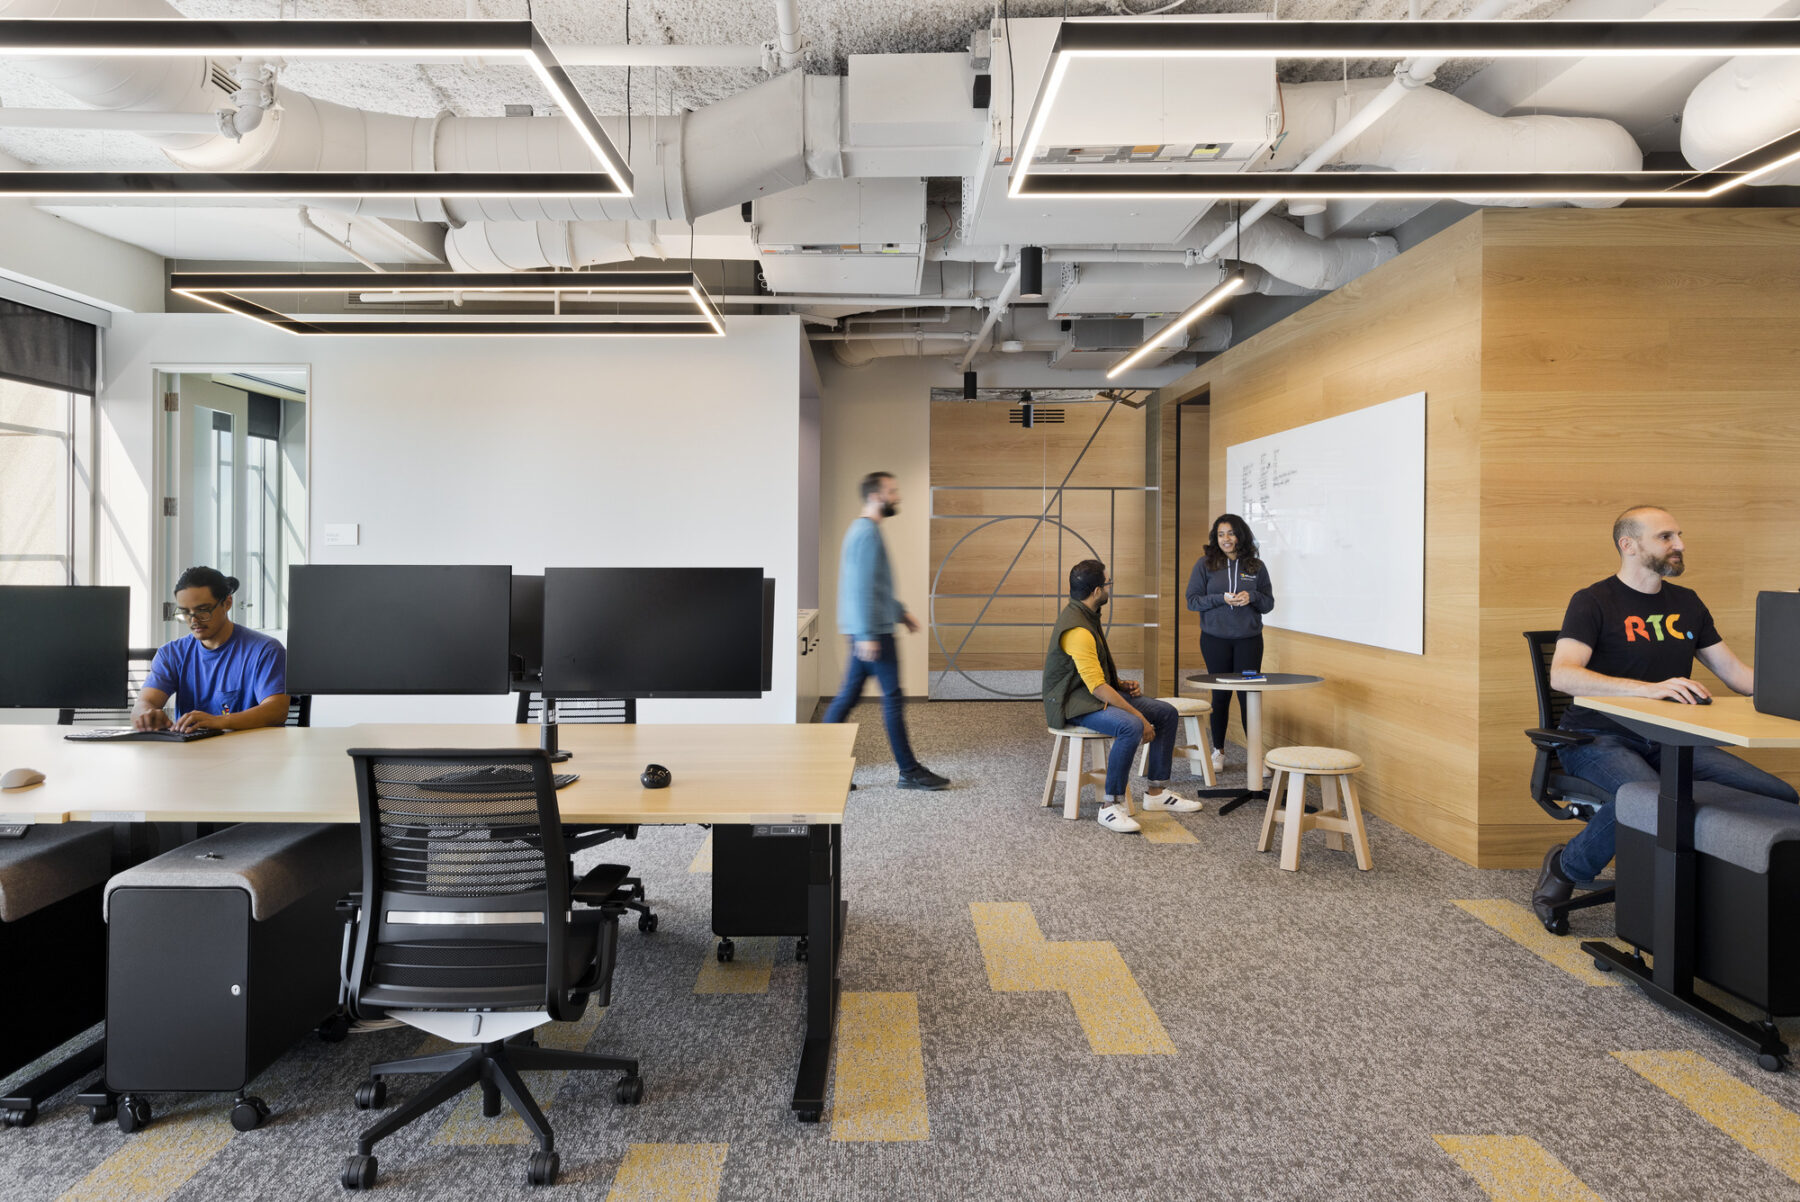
(1313, 759)
(276, 863)
(1188, 707)
(1729, 824)
(52, 862)
(1077, 732)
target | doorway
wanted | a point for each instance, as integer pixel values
(234, 464)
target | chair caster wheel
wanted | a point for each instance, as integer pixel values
(629, 1091)
(19, 1118)
(648, 923)
(1603, 964)
(134, 1114)
(807, 1116)
(335, 1029)
(249, 1113)
(358, 1172)
(543, 1168)
(1768, 1062)
(104, 1113)
(371, 1095)
(1557, 926)
(726, 950)
(801, 950)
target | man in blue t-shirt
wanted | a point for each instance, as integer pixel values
(227, 677)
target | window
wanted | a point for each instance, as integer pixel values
(45, 484)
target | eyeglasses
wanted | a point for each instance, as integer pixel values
(203, 612)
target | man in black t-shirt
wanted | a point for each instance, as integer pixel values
(1633, 635)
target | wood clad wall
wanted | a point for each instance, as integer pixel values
(1185, 457)
(1575, 362)
(1629, 356)
(1413, 324)
(983, 466)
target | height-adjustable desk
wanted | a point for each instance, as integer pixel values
(726, 775)
(1728, 721)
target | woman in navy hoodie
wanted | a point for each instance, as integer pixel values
(1230, 590)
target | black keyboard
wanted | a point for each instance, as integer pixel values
(126, 733)
(482, 780)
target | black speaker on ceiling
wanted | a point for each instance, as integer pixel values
(984, 90)
(1031, 272)
(968, 386)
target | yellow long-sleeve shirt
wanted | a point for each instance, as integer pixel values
(1079, 645)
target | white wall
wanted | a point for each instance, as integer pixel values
(532, 452)
(44, 250)
(877, 418)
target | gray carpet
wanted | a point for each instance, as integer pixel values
(1327, 1024)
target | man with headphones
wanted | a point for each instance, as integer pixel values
(226, 677)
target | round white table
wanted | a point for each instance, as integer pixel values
(1253, 689)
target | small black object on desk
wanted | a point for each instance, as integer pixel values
(655, 777)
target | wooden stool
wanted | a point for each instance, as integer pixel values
(1340, 817)
(1077, 774)
(1197, 749)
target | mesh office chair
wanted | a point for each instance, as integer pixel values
(466, 928)
(1559, 794)
(602, 711)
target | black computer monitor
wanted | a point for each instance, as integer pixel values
(654, 632)
(527, 640)
(389, 629)
(1778, 654)
(63, 646)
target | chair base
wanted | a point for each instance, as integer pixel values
(495, 1067)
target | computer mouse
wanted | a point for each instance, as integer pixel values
(20, 778)
(1703, 701)
(656, 777)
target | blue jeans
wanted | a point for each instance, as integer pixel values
(886, 669)
(1612, 760)
(1127, 732)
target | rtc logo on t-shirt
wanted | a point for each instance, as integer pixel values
(1663, 624)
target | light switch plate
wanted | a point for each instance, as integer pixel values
(341, 534)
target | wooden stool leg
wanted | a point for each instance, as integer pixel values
(1359, 837)
(1268, 826)
(1294, 820)
(1072, 778)
(1331, 805)
(1200, 739)
(1143, 760)
(1050, 781)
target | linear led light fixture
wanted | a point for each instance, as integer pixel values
(514, 42)
(1167, 39)
(231, 292)
(1214, 296)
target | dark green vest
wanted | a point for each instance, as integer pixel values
(1065, 696)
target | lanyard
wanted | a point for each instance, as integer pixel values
(1231, 576)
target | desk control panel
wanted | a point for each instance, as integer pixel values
(13, 830)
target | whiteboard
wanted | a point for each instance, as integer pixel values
(1338, 512)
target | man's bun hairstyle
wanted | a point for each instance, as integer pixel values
(222, 586)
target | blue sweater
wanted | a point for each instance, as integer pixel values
(866, 605)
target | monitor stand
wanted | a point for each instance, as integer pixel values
(547, 734)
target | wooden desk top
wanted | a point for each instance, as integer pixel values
(723, 774)
(1729, 720)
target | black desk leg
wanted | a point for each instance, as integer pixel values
(1234, 797)
(1671, 983)
(825, 913)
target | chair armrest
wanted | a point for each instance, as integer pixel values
(1552, 740)
(347, 906)
(600, 884)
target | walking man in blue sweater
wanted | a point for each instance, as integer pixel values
(867, 612)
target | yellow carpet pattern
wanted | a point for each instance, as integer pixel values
(753, 959)
(1520, 925)
(1769, 1131)
(879, 1091)
(1107, 1000)
(669, 1173)
(1515, 1168)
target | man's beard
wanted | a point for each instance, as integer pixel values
(1672, 564)
(889, 509)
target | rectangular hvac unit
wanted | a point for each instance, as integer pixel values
(843, 236)
(1130, 289)
(1098, 345)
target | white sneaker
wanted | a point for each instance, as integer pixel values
(1164, 799)
(1218, 760)
(1114, 818)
